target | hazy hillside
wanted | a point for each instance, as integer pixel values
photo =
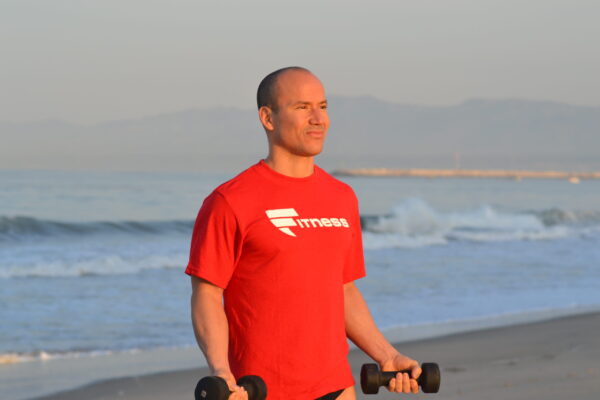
(364, 132)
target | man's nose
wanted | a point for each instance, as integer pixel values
(318, 116)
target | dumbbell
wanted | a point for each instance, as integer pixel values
(371, 378)
(215, 388)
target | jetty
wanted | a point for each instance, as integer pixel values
(573, 177)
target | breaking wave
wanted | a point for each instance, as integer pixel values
(414, 223)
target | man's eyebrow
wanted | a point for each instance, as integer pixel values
(309, 102)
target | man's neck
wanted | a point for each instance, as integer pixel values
(295, 167)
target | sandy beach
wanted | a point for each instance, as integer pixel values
(554, 359)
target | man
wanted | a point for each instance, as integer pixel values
(274, 256)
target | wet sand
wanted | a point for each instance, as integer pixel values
(549, 360)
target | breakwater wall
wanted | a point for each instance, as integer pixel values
(467, 173)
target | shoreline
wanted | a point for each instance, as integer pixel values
(549, 359)
(395, 334)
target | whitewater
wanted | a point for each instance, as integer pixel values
(92, 263)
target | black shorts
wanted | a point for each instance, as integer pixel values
(331, 396)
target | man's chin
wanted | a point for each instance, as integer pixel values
(311, 152)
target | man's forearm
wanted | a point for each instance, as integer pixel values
(210, 324)
(361, 329)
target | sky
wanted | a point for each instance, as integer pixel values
(88, 61)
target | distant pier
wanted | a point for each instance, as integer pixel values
(573, 177)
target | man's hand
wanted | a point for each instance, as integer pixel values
(238, 392)
(403, 382)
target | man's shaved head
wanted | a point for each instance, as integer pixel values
(267, 90)
(292, 108)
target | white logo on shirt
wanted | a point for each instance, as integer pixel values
(282, 219)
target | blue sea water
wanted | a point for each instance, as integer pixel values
(93, 262)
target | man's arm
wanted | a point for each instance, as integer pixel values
(212, 330)
(361, 329)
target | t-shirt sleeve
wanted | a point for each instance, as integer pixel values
(215, 242)
(355, 263)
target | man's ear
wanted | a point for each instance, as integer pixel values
(266, 117)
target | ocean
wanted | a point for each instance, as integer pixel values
(92, 262)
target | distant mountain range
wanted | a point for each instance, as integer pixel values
(365, 132)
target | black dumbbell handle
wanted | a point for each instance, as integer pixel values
(429, 380)
(386, 376)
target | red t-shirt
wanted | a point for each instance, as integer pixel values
(282, 248)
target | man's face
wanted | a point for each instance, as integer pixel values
(300, 119)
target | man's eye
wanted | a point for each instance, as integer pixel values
(324, 107)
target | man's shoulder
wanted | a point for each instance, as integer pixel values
(240, 184)
(335, 183)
